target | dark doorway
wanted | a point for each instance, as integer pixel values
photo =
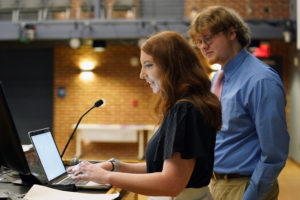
(27, 77)
(275, 62)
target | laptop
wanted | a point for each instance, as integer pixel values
(52, 164)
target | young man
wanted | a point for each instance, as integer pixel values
(252, 146)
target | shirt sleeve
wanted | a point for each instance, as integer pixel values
(182, 131)
(267, 108)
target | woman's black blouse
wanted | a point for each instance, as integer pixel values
(184, 131)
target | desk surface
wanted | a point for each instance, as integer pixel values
(22, 189)
(18, 189)
(9, 187)
(15, 189)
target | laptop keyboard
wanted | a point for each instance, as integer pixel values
(69, 180)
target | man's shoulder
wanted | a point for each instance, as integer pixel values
(259, 70)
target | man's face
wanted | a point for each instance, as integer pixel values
(216, 48)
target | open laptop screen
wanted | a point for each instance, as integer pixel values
(48, 153)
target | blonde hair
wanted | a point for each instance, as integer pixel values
(220, 19)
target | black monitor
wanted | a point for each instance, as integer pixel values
(12, 155)
(1, 161)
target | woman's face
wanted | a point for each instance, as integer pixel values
(150, 72)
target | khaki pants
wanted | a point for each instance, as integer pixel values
(233, 189)
(188, 194)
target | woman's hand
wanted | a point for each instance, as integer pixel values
(103, 165)
(92, 172)
(75, 168)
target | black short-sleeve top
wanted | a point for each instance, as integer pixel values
(183, 130)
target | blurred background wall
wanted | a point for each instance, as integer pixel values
(43, 45)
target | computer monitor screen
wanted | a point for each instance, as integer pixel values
(12, 155)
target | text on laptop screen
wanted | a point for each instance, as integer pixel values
(49, 155)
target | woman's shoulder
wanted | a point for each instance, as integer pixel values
(184, 104)
(184, 107)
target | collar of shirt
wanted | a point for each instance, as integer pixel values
(231, 67)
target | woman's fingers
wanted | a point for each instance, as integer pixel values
(77, 167)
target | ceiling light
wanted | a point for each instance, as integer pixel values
(87, 65)
(99, 45)
(74, 43)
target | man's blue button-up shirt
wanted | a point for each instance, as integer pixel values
(254, 139)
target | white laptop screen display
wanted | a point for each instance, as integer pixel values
(49, 155)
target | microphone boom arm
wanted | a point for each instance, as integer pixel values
(97, 104)
(75, 131)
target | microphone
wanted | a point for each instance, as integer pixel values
(75, 161)
(97, 104)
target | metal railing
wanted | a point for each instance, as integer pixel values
(43, 10)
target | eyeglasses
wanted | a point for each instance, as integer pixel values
(206, 40)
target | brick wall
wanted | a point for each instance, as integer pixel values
(79, 10)
(248, 9)
(115, 81)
